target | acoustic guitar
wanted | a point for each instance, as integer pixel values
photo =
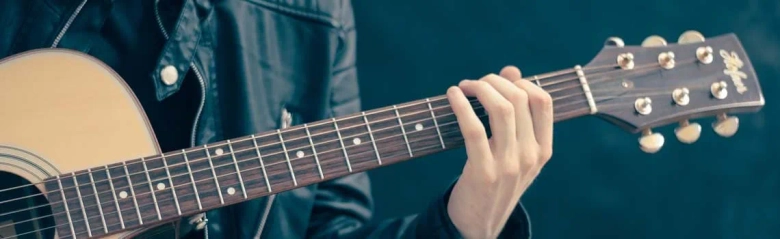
(87, 164)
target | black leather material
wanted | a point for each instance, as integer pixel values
(255, 58)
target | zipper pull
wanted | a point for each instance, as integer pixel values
(199, 220)
(286, 118)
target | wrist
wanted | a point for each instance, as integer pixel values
(469, 225)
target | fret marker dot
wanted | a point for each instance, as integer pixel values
(123, 194)
(299, 154)
(160, 186)
(219, 152)
(231, 191)
(418, 127)
(356, 141)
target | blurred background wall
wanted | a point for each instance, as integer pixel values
(598, 183)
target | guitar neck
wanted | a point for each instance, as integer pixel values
(165, 187)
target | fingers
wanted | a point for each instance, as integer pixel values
(477, 146)
(511, 73)
(501, 113)
(519, 99)
(541, 105)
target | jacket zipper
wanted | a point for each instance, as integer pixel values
(197, 74)
(287, 121)
(202, 103)
(67, 24)
(265, 215)
(202, 99)
(197, 119)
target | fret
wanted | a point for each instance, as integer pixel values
(97, 199)
(132, 194)
(238, 171)
(403, 131)
(81, 190)
(287, 156)
(298, 147)
(387, 134)
(371, 135)
(113, 193)
(192, 178)
(435, 123)
(419, 128)
(343, 148)
(81, 202)
(213, 172)
(170, 181)
(67, 210)
(143, 191)
(262, 165)
(314, 151)
(536, 79)
(151, 189)
(358, 140)
(156, 174)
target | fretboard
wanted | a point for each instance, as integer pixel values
(164, 187)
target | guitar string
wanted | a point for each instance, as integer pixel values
(305, 147)
(193, 160)
(540, 78)
(298, 148)
(250, 169)
(289, 140)
(324, 122)
(139, 184)
(116, 224)
(395, 127)
(273, 134)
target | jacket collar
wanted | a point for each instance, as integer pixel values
(175, 57)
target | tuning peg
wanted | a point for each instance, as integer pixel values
(688, 132)
(690, 36)
(615, 41)
(651, 142)
(654, 41)
(726, 126)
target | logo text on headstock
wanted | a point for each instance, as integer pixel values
(733, 69)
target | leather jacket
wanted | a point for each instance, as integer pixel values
(260, 65)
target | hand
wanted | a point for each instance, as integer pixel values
(499, 169)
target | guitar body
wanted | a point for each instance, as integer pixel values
(63, 111)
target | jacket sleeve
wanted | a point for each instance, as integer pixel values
(343, 207)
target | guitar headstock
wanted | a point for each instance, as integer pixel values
(654, 84)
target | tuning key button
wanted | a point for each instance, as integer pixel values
(654, 41)
(626, 61)
(666, 60)
(651, 142)
(643, 105)
(681, 96)
(688, 132)
(615, 41)
(690, 36)
(719, 90)
(726, 126)
(704, 54)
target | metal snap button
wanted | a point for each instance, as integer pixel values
(169, 75)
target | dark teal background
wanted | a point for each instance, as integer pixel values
(598, 183)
